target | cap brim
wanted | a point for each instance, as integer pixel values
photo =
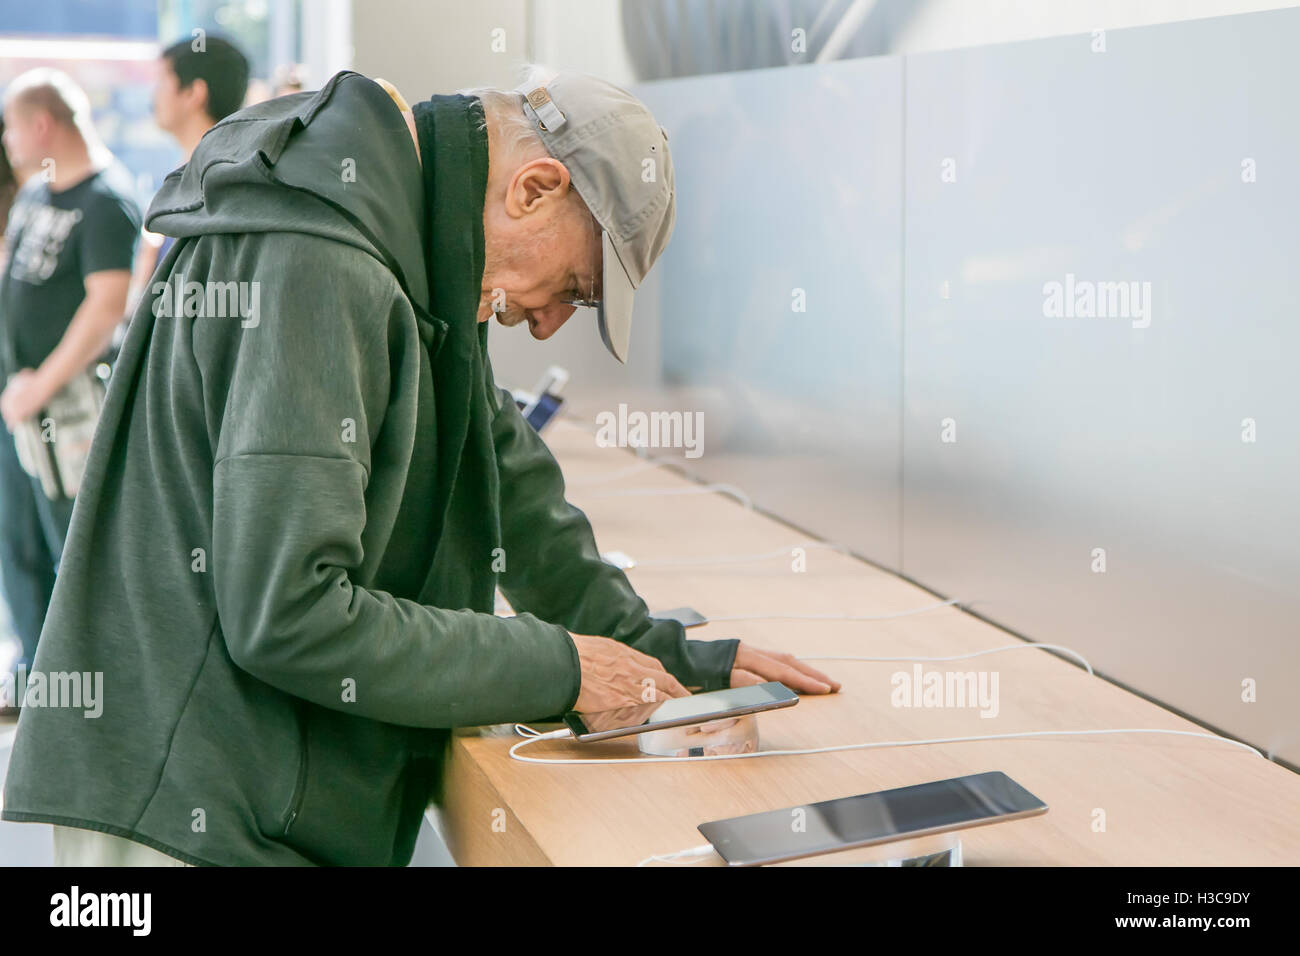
(614, 315)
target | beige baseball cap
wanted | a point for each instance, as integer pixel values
(617, 157)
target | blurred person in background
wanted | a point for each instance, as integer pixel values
(290, 78)
(259, 91)
(9, 184)
(195, 90)
(69, 238)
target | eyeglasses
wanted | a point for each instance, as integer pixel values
(592, 300)
(590, 303)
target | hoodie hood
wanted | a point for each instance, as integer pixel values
(337, 163)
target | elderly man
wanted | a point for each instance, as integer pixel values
(306, 485)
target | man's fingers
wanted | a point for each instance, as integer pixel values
(675, 688)
(812, 672)
(789, 670)
(743, 678)
(792, 677)
(666, 685)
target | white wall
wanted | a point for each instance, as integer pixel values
(439, 46)
(428, 46)
(583, 35)
(947, 24)
(326, 38)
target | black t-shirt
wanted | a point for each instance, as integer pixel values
(56, 239)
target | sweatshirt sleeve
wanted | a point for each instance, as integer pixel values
(554, 570)
(289, 514)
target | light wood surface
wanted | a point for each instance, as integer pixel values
(1114, 800)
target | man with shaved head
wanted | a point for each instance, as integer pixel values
(70, 238)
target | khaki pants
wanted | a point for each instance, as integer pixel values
(74, 846)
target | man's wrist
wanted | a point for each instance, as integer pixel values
(46, 382)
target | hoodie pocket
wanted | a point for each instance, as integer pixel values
(348, 808)
(300, 784)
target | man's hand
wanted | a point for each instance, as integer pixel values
(615, 675)
(23, 397)
(753, 666)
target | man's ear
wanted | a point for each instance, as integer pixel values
(197, 91)
(535, 184)
(41, 124)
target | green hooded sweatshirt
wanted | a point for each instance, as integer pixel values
(297, 508)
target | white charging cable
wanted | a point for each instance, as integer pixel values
(523, 730)
(693, 855)
(871, 745)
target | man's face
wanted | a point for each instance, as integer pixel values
(27, 136)
(171, 103)
(542, 250)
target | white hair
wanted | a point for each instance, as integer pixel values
(504, 111)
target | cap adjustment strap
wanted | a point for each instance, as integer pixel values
(549, 116)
